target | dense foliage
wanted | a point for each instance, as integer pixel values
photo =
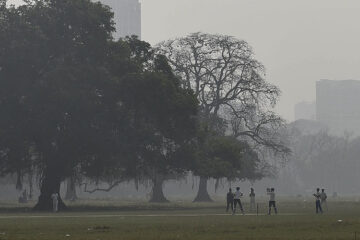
(74, 102)
(73, 99)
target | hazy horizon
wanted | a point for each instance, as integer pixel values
(299, 42)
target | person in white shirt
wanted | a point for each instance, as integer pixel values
(252, 199)
(317, 196)
(237, 201)
(272, 203)
(55, 200)
(323, 198)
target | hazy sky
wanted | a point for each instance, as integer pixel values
(298, 41)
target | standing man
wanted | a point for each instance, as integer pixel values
(323, 198)
(317, 196)
(55, 199)
(272, 203)
(230, 200)
(252, 199)
(237, 201)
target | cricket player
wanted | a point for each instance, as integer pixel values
(230, 200)
(323, 198)
(317, 196)
(272, 203)
(237, 201)
(252, 199)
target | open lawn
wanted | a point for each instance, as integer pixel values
(106, 220)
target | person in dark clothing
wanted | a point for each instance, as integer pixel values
(230, 200)
(317, 196)
(252, 199)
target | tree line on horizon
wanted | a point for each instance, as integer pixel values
(77, 104)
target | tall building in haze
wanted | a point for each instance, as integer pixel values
(127, 16)
(338, 105)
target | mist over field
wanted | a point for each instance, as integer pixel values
(299, 42)
(213, 94)
(179, 119)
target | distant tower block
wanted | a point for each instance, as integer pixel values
(127, 16)
(337, 105)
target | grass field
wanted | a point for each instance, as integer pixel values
(107, 220)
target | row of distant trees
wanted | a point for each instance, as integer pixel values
(77, 104)
(323, 159)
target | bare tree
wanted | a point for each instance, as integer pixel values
(324, 159)
(229, 84)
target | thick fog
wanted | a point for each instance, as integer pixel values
(299, 42)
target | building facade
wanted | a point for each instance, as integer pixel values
(127, 16)
(338, 105)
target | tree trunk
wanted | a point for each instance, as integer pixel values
(19, 185)
(70, 189)
(31, 185)
(157, 190)
(203, 195)
(49, 185)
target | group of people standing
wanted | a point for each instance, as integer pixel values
(320, 200)
(234, 200)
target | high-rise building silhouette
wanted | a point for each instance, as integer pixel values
(338, 105)
(127, 16)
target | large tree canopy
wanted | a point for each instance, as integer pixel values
(51, 64)
(235, 99)
(72, 99)
(221, 157)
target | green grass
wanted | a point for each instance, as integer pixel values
(295, 221)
